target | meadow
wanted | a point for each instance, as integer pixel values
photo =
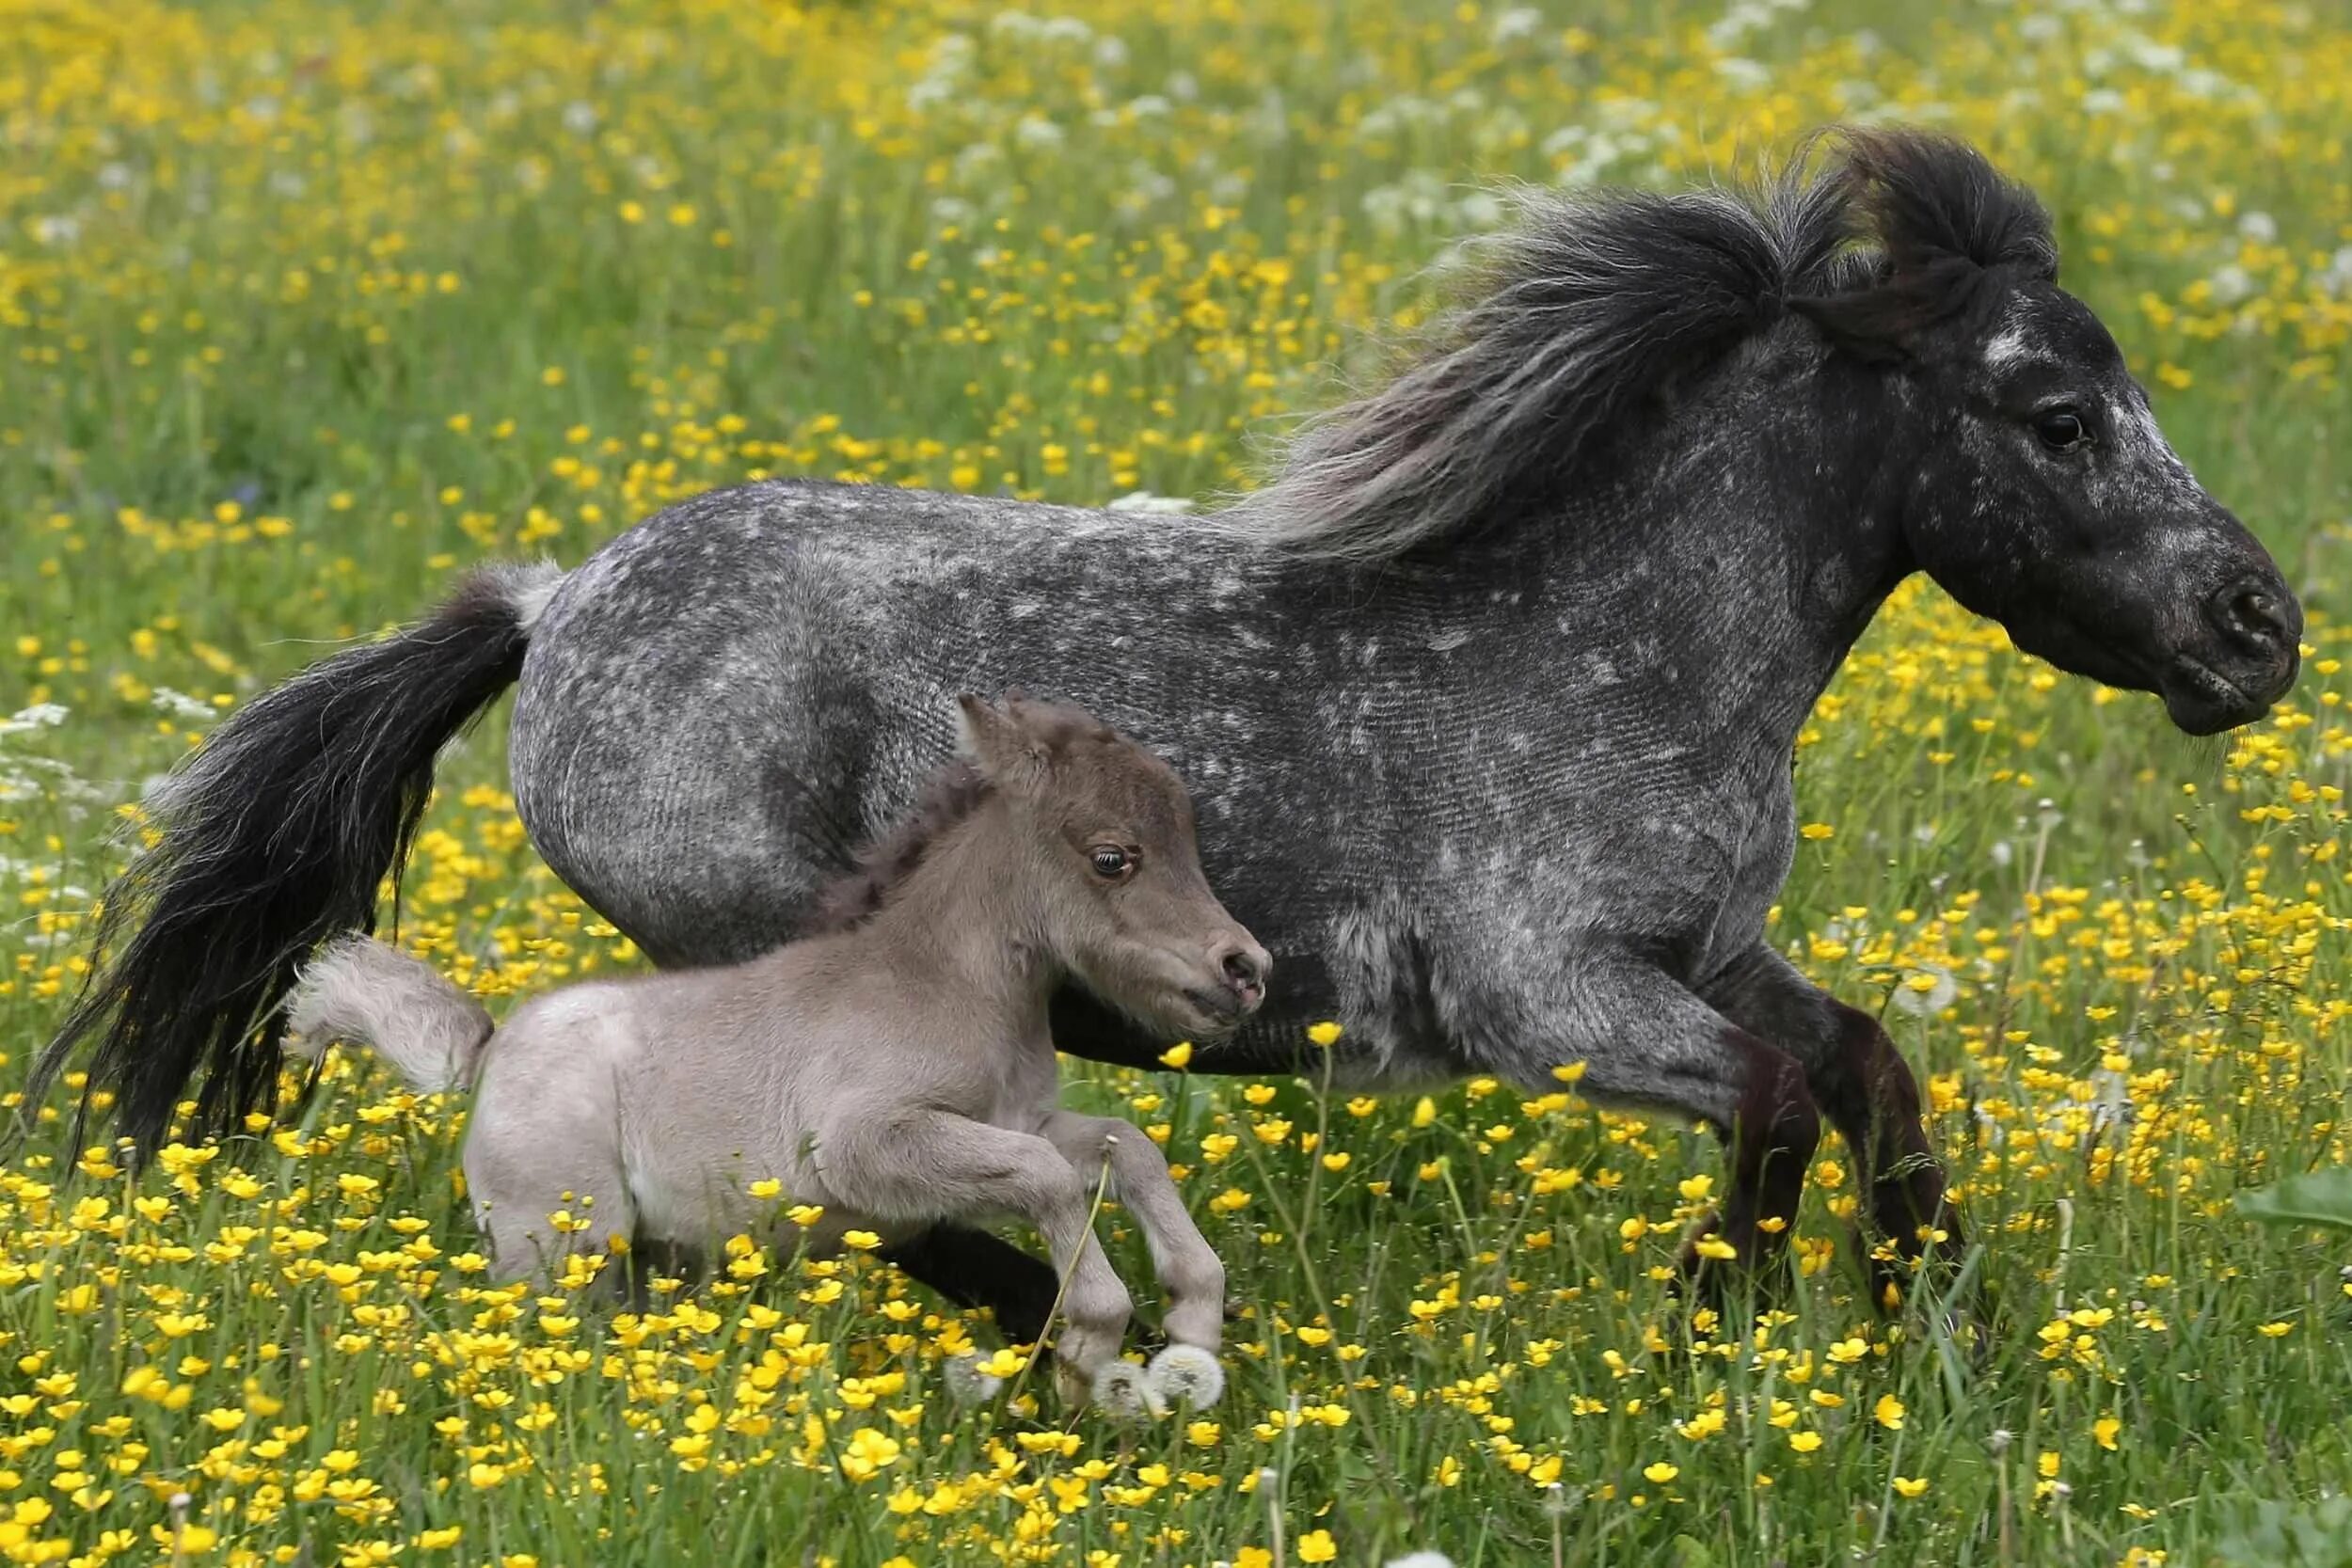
(305, 305)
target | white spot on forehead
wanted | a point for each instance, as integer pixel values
(2006, 347)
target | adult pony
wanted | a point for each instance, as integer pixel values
(1488, 699)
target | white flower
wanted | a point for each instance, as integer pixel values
(1124, 1393)
(1037, 131)
(2231, 283)
(1186, 1374)
(1519, 22)
(181, 706)
(1743, 74)
(1925, 991)
(1144, 500)
(2337, 279)
(967, 1383)
(41, 716)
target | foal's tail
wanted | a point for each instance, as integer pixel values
(277, 834)
(363, 992)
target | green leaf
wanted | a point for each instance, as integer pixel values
(2320, 1197)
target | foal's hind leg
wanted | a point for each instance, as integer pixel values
(1871, 1096)
(543, 1173)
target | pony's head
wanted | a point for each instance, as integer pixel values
(1111, 868)
(2034, 483)
(2040, 491)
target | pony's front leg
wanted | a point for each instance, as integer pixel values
(1187, 1265)
(1871, 1096)
(1646, 1040)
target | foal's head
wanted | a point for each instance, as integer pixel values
(2044, 495)
(1109, 869)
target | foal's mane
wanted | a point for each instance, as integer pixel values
(949, 798)
(951, 795)
(1594, 303)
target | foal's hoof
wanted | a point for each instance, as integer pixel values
(1186, 1375)
(1125, 1392)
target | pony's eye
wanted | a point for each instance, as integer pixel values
(1110, 862)
(2060, 429)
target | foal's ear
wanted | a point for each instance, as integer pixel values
(1007, 755)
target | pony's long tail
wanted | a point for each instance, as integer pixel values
(276, 834)
(363, 992)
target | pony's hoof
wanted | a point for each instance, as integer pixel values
(1187, 1376)
(1123, 1391)
(967, 1383)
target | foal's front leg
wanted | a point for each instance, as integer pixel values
(1187, 1265)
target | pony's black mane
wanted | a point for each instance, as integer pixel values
(1595, 303)
(952, 794)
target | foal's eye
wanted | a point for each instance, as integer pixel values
(1110, 862)
(2060, 429)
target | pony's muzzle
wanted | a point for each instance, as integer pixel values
(2260, 621)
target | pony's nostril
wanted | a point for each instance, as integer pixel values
(2252, 615)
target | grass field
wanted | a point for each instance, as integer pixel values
(303, 305)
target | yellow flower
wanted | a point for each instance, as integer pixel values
(1908, 1486)
(1817, 830)
(867, 1454)
(1326, 1034)
(864, 1241)
(1661, 1473)
(1317, 1545)
(2104, 1431)
(1571, 1072)
(1888, 1413)
(1178, 1055)
(1804, 1442)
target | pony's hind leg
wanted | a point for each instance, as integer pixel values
(924, 1167)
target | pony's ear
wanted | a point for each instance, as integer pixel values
(1007, 754)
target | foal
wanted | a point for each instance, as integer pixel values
(896, 1068)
